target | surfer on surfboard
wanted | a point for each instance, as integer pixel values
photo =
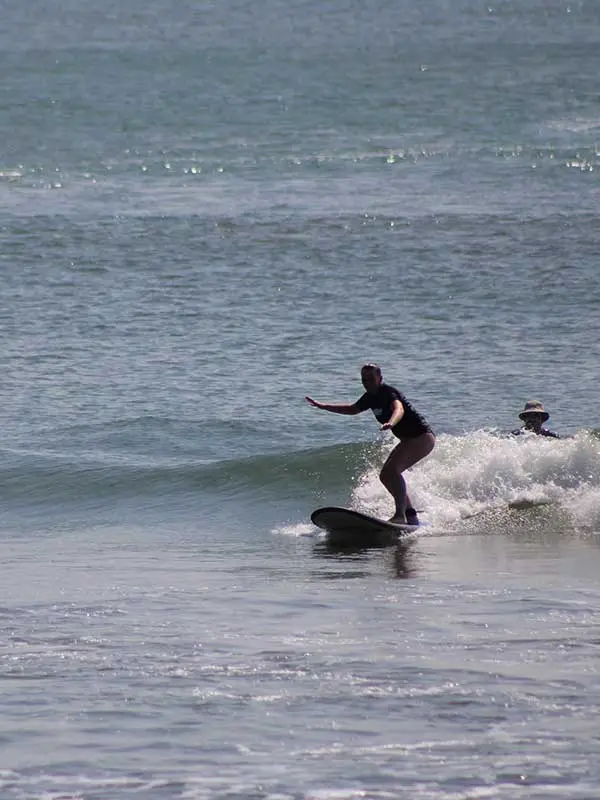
(393, 411)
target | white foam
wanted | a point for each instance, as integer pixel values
(482, 470)
(299, 529)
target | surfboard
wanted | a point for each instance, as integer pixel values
(348, 528)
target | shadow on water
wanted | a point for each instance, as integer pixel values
(398, 558)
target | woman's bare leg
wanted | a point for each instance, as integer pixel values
(403, 456)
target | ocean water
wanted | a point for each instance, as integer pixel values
(208, 211)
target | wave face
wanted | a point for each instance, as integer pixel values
(466, 479)
(43, 482)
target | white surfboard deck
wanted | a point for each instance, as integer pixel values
(348, 528)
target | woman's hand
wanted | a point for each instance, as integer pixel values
(312, 402)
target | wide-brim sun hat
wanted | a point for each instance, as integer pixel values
(534, 407)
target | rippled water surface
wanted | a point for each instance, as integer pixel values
(206, 213)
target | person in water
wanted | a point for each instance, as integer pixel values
(534, 415)
(393, 411)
